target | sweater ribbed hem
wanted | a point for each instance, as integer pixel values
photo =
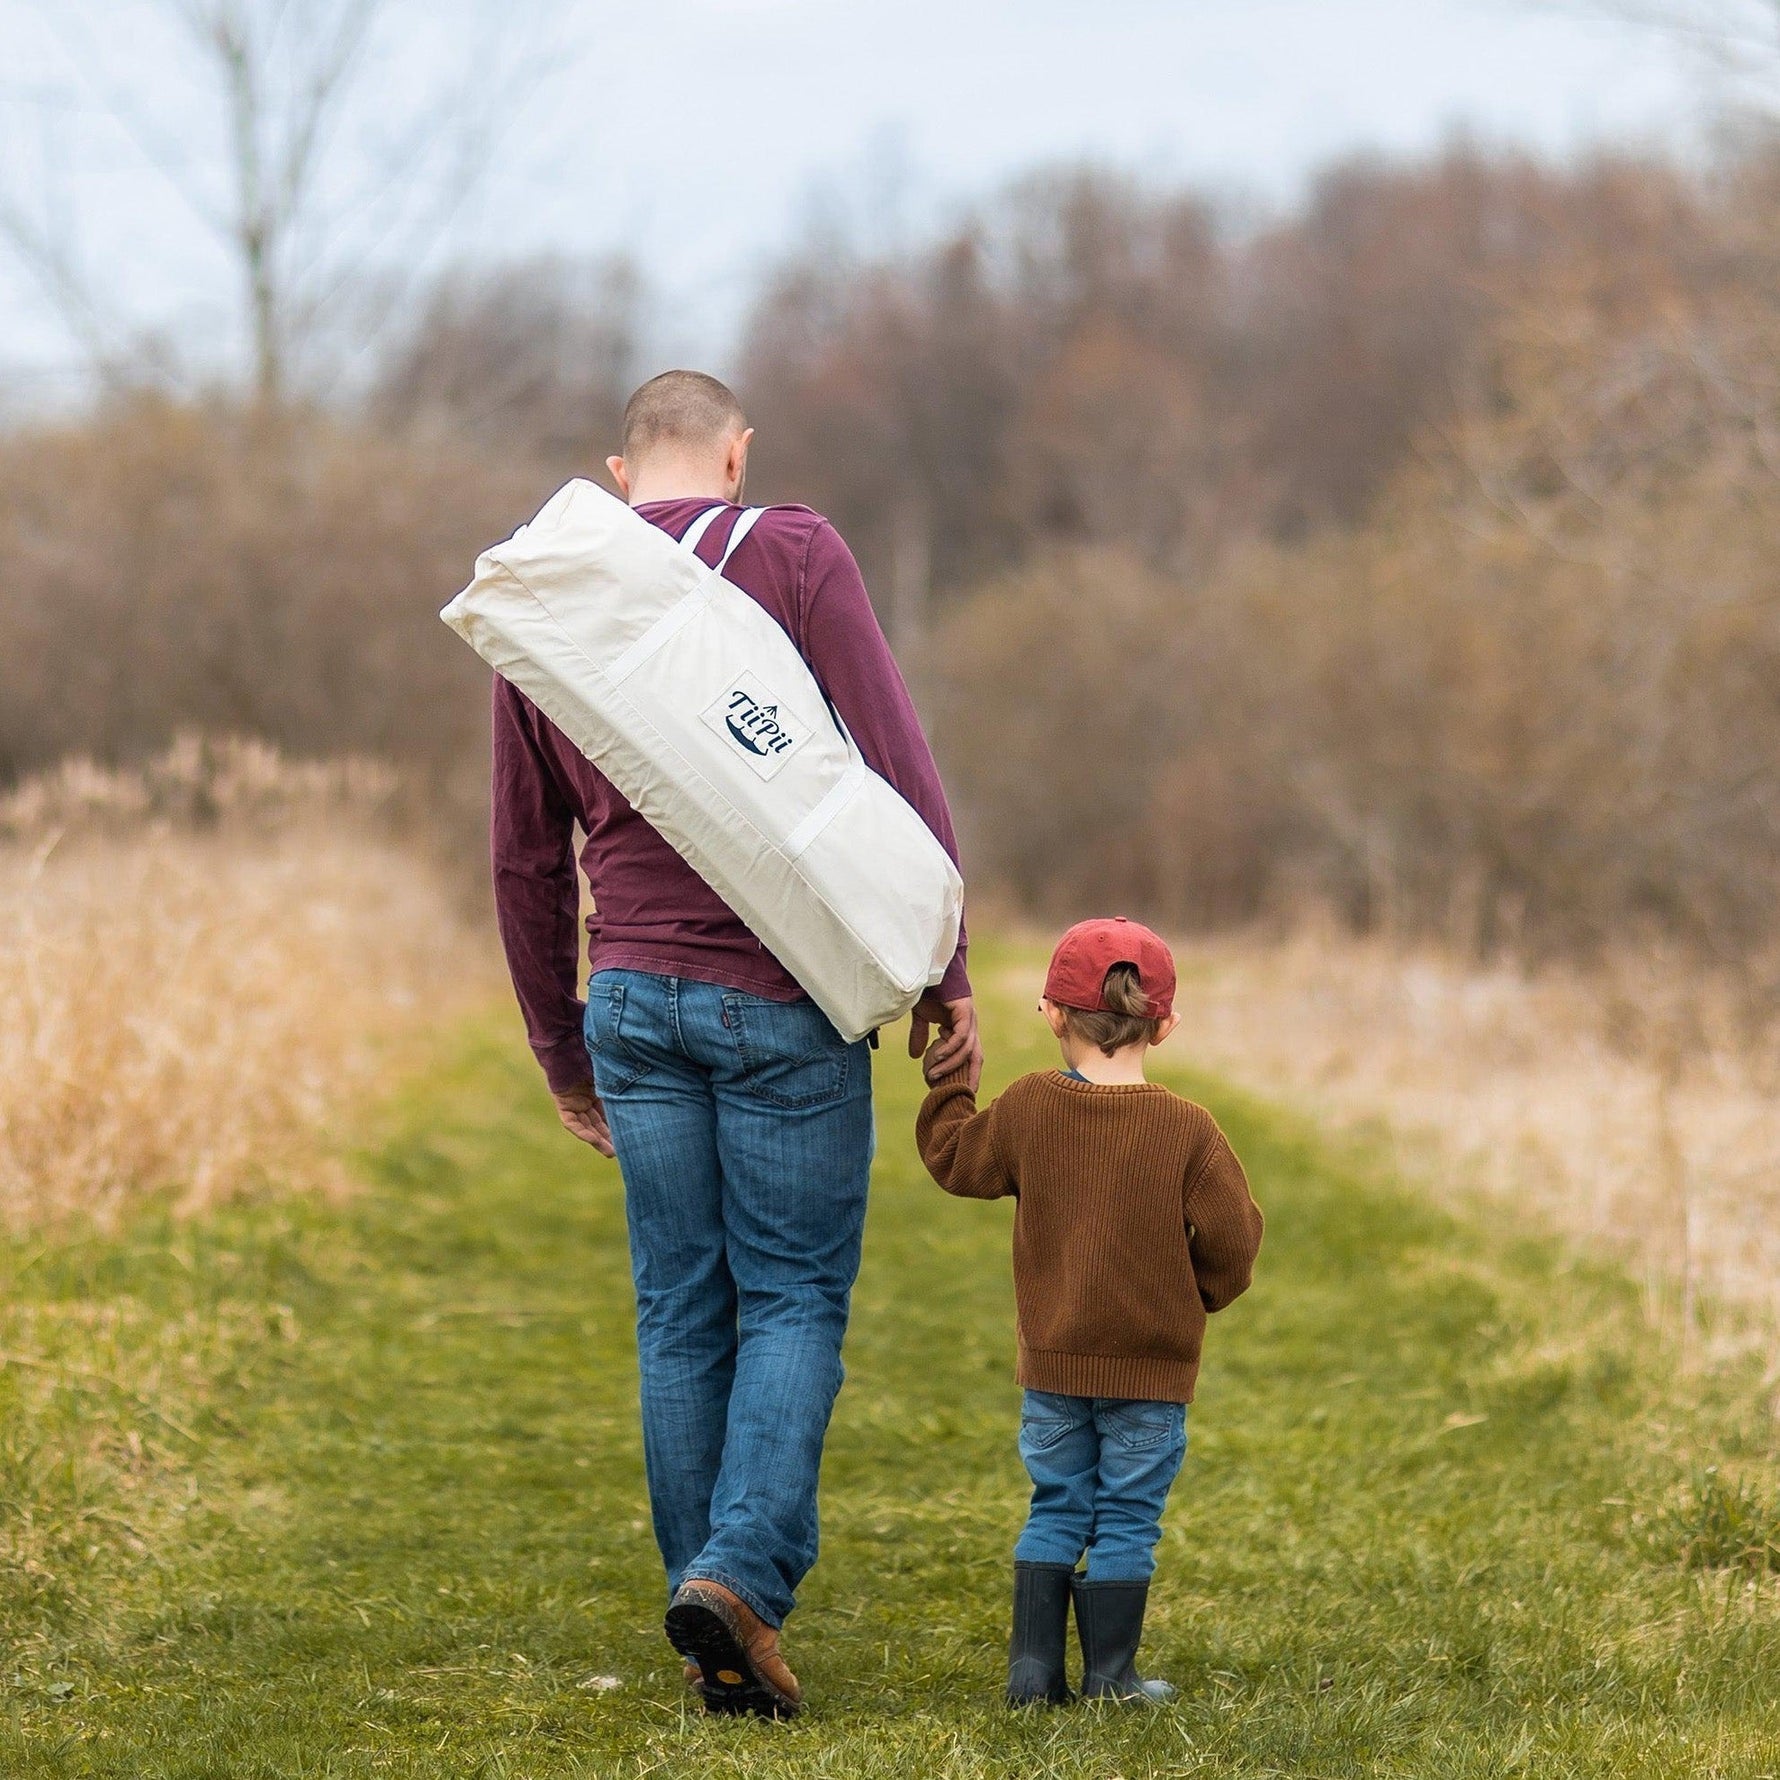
(1108, 1375)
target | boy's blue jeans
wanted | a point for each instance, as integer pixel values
(744, 1132)
(1101, 1469)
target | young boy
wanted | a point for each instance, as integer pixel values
(1134, 1220)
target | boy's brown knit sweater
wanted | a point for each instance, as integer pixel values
(1134, 1220)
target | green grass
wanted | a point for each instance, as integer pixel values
(314, 1491)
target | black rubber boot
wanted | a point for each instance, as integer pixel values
(1109, 1622)
(1035, 1672)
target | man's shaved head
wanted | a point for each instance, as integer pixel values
(683, 409)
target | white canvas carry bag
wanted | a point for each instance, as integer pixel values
(689, 696)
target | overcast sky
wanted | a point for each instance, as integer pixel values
(700, 135)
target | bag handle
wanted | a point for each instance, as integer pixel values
(693, 536)
(695, 532)
(743, 525)
(684, 610)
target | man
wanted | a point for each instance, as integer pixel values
(741, 1121)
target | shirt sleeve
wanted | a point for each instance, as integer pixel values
(1224, 1225)
(536, 895)
(958, 1143)
(850, 657)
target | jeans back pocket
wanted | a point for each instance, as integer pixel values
(1138, 1426)
(789, 1051)
(616, 1066)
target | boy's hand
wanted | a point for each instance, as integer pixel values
(935, 1069)
(583, 1117)
(958, 1041)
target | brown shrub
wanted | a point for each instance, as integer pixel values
(165, 568)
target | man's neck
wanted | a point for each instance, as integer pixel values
(669, 484)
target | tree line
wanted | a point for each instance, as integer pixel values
(1409, 555)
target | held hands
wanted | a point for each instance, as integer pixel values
(958, 1045)
(583, 1117)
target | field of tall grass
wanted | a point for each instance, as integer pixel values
(207, 963)
(1630, 1108)
(354, 1488)
(293, 1476)
(202, 964)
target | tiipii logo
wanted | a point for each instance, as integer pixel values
(755, 723)
(756, 726)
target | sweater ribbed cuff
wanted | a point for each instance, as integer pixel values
(956, 1077)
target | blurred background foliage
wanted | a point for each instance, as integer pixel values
(1411, 558)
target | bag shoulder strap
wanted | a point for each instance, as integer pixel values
(744, 524)
(695, 532)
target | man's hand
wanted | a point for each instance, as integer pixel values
(958, 1042)
(583, 1117)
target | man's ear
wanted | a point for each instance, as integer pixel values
(620, 475)
(735, 466)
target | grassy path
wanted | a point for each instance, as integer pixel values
(315, 1491)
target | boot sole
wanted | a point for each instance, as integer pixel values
(731, 1685)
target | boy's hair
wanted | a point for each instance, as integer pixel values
(681, 408)
(1127, 1022)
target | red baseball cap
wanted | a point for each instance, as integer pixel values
(1091, 948)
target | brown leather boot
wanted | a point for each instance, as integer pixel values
(736, 1652)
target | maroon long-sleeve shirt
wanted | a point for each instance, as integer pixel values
(653, 911)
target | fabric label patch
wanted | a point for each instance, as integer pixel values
(750, 718)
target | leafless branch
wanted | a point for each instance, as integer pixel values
(43, 245)
(1739, 34)
(310, 198)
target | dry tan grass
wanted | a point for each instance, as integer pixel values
(186, 1011)
(1539, 1090)
(1546, 1092)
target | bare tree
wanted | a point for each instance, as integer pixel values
(326, 167)
(1737, 40)
(533, 358)
(274, 149)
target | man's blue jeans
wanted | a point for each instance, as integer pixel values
(744, 1131)
(1101, 1469)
